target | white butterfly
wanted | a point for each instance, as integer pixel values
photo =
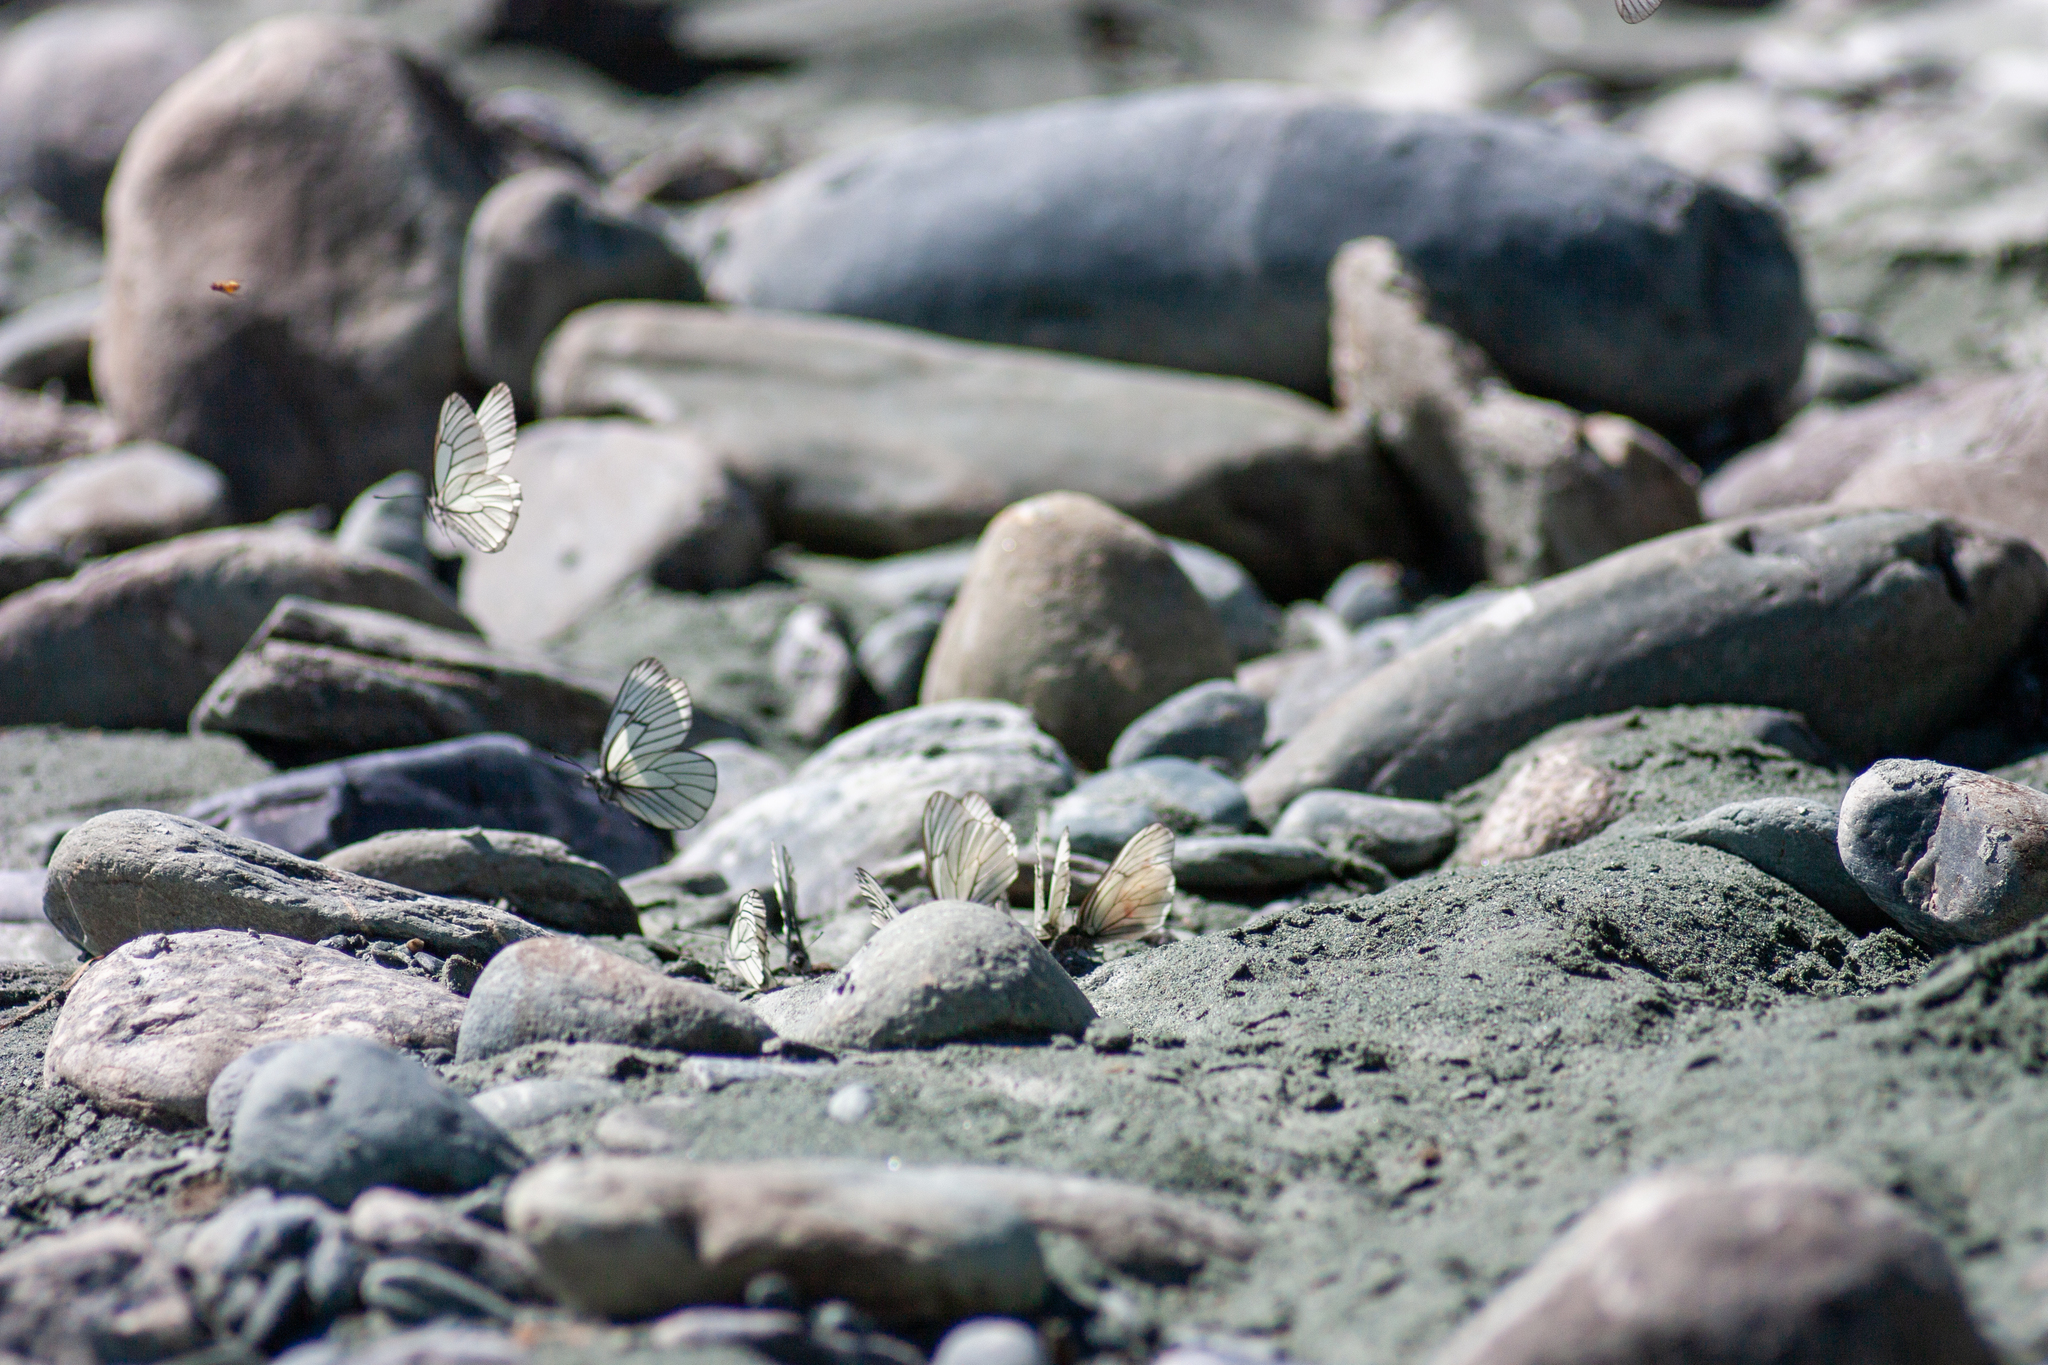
(473, 497)
(881, 909)
(1131, 900)
(746, 950)
(1635, 11)
(784, 874)
(643, 764)
(970, 854)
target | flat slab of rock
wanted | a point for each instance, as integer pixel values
(557, 990)
(1770, 1259)
(1954, 856)
(1195, 227)
(147, 1028)
(318, 682)
(538, 877)
(491, 781)
(631, 1237)
(943, 972)
(869, 440)
(134, 640)
(132, 873)
(1791, 609)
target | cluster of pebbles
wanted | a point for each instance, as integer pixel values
(1599, 697)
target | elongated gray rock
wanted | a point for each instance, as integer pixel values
(1194, 228)
(133, 641)
(868, 440)
(940, 973)
(1954, 856)
(630, 1237)
(318, 682)
(1881, 628)
(538, 878)
(1770, 1259)
(131, 873)
(560, 991)
(1796, 841)
(147, 1028)
(1406, 836)
(119, 499)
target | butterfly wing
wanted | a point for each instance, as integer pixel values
(473, 497)
(1062, 886)
(970, 852)
(784, 870)
(746, 950)
(1635, 11)
(651, 772)
(1133, 897)
(880, 908)
(499, 421)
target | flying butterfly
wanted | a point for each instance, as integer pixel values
(643, 765)
(970, 854)
(1131, 900)
(881, 909)
(473, 497)
(228, 287)
(783, 873)
(746, 950)
(1635, 11)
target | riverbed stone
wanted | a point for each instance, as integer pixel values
(1102, 813)
(338, 1115)
(560, 991)
(134, 640)
(397, 1222)
(687, 524)
(1077, 613)
(532, 875)
(119, 499)
(866, 440)
(945, 971)
(1518, 487)
(36, 428)
(907, 1246)
(1246, 866)
(98, 1292)
(1075, 227)
(1782, 610)
(491, 781)
(212, 995)
(51, 339)
(1796, 840)
(129, 874)
(318, 682)
(1215, 720)
(1554, 800)
(333, 173)
(1771, 1258)
(1406, 837)
(389, 518)
(1954, 856)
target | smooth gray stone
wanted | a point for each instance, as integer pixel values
(1102, 813)
(1795, 841)
(24, 566)
(1365, 592)
(1193, 228)
(224, 1096)
(892, 652)
(1406, 837)
(991, 1341)
(334, 1116)
(148, 1028)
(813, 668)
(399, 1223)
(131, 495)
(93, 1293)
(537, 878)
(1250, 621)
(774, 1332)
(629, 1237)
(1216, 720)
(132, 873)
(1954, 856)
(389, 518)
(522, 1104)
(1790, 609)
(233, 1258)
(557, 990)
(1769, 1259)
(49, 339)
(541, 245)
(943, 972)
(318, 682)
(1248, 863)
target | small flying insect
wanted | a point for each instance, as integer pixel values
(229, 287)
(473, 497)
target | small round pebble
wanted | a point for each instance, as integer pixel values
(992, 1341)
(850, 1103)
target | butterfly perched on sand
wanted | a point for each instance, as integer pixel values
(473, 497)
(746, 948)
(642, 764)
(1131, 900)
(1635, 11)
(970, 854)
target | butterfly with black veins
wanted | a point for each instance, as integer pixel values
(642, 762)
(473, 497)
(970, 852)
(1131, 901)
(782, 871)
(1635, 11)
(746, 949)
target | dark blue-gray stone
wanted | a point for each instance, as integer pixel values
(1106, 810)
(1234, 865)
(1194, 228)
(1793, 840)
(1404, 836)
(1216, 720)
